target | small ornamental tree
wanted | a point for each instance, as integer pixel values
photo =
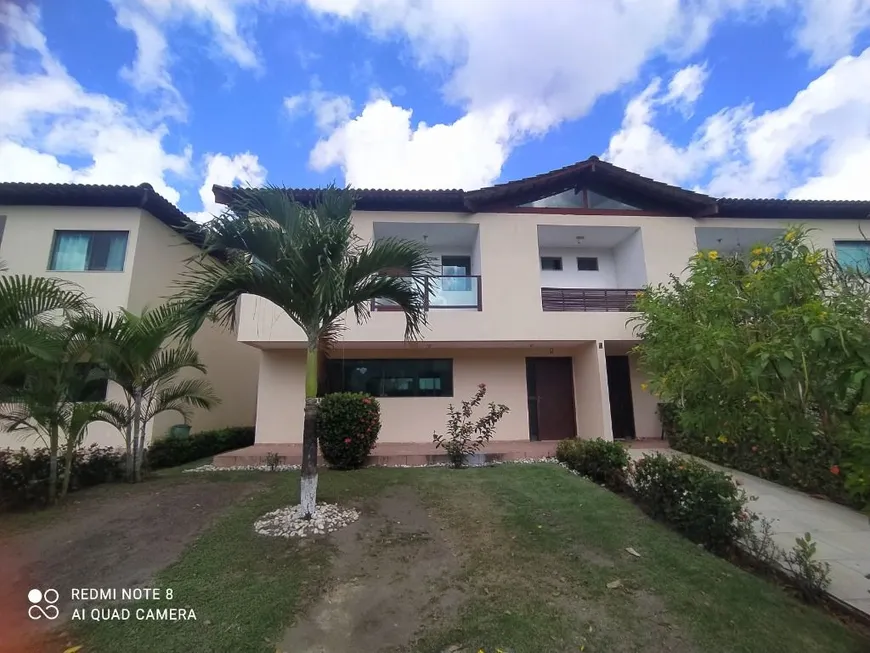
(766, 359)
(465, 435)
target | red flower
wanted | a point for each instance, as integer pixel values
(347, 440)
(754, 448)
(367, 400)
(835, 470)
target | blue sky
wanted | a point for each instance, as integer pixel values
(733, 97)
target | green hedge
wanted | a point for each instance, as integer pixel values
(24, 473)
(701, 503)
(603, 461)
(173, 450)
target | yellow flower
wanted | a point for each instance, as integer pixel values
(757, 251)
(723, 439)
(823, 314)
(790, 236)
(643, 386)
(768, 250)
(713, 255)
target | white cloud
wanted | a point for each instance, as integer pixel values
(329, 109)
(817, 146)
(48, 119)
(244, 169)
(686, 86)
(381, 148)
(829, 29)
(47, 116)
(150, 19)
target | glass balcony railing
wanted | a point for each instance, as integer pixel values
(442, 292)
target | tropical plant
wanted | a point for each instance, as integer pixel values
(42, 399)
(306, 260)
(348, 424)
(766, 360)
(27, 304)
(136, 355)
(465, 436)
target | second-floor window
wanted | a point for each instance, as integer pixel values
(587, 264)
(551, 263)
(79, 251)
(853, 254)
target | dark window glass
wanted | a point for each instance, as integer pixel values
(395, 377)
(78, 251)
(553, 263)
(90, 383)
(587, 263)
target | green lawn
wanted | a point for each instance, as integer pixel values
(536, 548)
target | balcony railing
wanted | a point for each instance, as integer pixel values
(583, 299)
(442, 292)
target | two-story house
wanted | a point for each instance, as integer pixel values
(536, 279)
(125, 247)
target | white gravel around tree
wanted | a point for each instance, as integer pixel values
(290, 521)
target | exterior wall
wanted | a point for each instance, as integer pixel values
(646, 418)
(232, 366)
(490, 345)
(155, 256)
(629, 262)
(26, 249)
(414, 419)
(591, 398)
(570, 277)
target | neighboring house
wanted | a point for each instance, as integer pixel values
(536, 279)
(125, 246)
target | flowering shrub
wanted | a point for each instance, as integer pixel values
(603, 461)
(466, 436)
(24, 473)
(348, 424)
(770, 350)
(702, 504)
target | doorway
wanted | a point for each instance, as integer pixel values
(621, 403)
(550, 388)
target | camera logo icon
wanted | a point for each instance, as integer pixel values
(42, 604)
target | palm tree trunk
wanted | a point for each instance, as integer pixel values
(67, 464)
(138, 442)
(52, 464)
(128, 463)
(308, 487)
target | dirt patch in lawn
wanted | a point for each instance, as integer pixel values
(111, 537)
(391, 577)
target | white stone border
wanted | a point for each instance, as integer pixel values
(290, 521)
(291, 468)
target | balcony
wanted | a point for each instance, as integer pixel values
(608, 300)
(443, 291)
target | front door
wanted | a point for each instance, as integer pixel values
(621, 404)
(550, 385)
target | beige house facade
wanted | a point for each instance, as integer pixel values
(125, 247)
(531, 295)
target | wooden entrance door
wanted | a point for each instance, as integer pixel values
(550, 384)
(621, 403)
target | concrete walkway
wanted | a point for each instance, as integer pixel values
(842, 535)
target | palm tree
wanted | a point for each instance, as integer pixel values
(76, 419)
(307, 261)
(42, 399)
(27, 305)
(135, 354)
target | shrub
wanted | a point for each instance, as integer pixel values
(603, 461)
(348, 424)
(703, 504)
(811, 576)
(174, 450)
(460, 440)
(24, 473)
